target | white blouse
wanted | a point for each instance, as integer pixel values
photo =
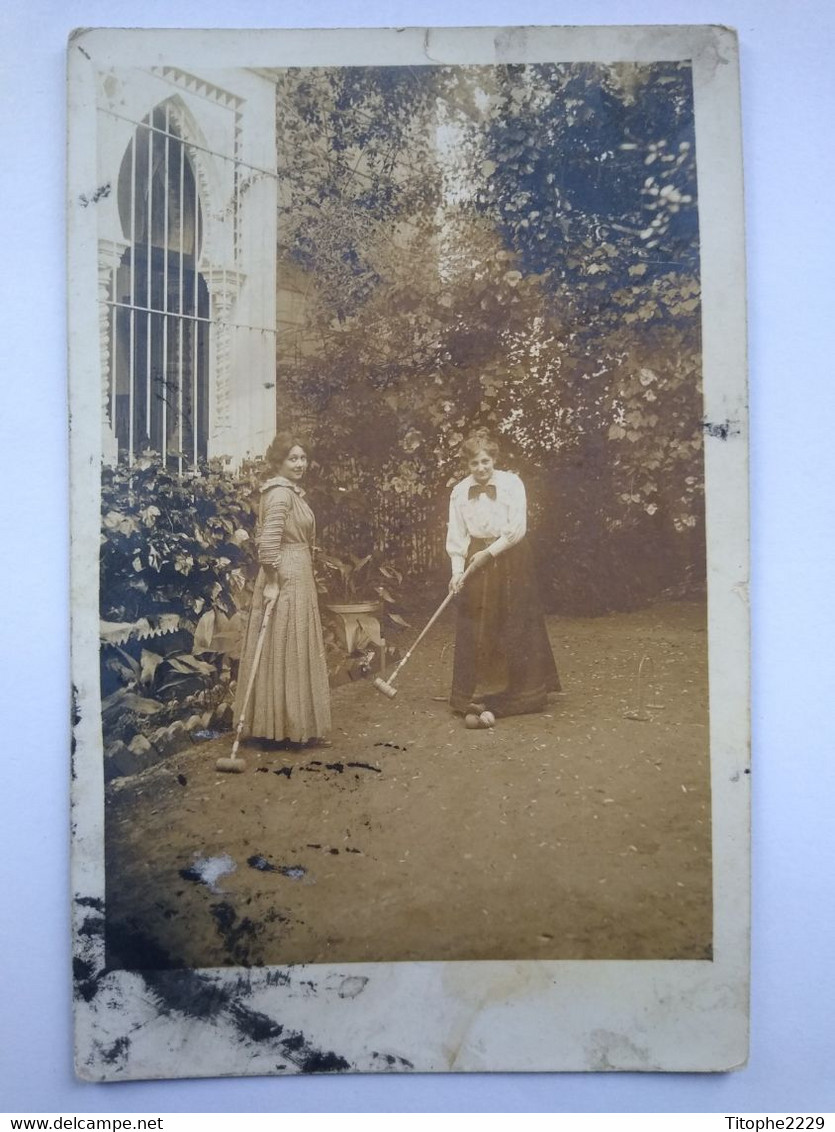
(503, 519)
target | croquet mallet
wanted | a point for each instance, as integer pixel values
(386, 687)
(232, 764)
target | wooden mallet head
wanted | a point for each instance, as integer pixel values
(231, 765)
(387, 689)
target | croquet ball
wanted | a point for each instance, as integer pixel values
(487, 719)
(472, 721)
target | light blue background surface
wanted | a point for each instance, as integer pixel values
(788, 109)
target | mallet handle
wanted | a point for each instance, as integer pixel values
(253, 672)
(429, 625)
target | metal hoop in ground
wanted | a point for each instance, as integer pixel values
(640, 714)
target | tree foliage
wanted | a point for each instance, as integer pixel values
(516, 248)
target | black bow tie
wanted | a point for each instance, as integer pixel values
(477, 489)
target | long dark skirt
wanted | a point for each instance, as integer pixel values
(503, 657)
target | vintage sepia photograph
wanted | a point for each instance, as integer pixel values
(410, 649)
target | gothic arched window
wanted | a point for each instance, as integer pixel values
(160, 331)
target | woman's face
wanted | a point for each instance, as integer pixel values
(481, 466)
(295, 464)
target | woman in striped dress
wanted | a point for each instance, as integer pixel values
(503, 662)
(290, 700)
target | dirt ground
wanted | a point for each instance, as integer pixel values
(576, 834)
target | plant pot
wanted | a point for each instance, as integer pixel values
(357, 619)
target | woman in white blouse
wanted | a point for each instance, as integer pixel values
(503, 659)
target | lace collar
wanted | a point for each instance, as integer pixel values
(282, 481)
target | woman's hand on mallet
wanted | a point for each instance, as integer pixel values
(479, 559)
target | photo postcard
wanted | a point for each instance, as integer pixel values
(409, 551)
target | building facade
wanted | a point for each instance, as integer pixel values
(186, 200)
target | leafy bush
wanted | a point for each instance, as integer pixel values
(173, 549)
(177, 545)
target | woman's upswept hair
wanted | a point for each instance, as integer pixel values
(479, 441)
(280, 448)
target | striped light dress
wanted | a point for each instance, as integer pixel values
(290, 699)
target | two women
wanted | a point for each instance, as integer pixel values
(503, 660)
(290, 700)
